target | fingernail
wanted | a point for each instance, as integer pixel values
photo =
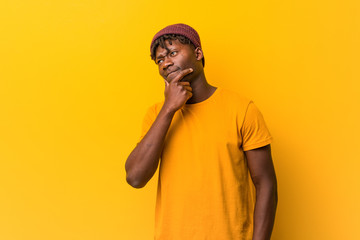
(191, 69)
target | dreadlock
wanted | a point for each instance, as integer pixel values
(161, 42)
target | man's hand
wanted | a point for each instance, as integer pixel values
(144, 159)
(176, 92)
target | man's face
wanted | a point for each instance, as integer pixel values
(174, 58)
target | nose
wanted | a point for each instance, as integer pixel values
(167, 63)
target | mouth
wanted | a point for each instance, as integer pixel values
(170, 73)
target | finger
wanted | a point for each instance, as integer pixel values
(182, 74)
(184, 83)
(188, 88)
(189, 94)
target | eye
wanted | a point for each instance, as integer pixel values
(159, 61)
(173, 53)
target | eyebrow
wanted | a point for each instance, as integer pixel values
(171, 48)
(160, 56)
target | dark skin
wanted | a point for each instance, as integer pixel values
(185, 83)
(177, 57)
(263, 176)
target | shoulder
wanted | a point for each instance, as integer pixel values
(234, 98)
(155, 108)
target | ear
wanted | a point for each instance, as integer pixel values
(199, 53)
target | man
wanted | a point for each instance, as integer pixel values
(214, 148)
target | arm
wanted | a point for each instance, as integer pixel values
(263, 176)
(144, 159)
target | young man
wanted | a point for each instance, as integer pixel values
(214, 148)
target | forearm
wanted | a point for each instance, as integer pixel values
(144, 159)
(265, 209)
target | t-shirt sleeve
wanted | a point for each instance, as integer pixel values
(254, 131)
(147, 122)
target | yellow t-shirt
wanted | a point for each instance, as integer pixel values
(205, 189)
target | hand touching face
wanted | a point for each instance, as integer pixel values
(174, 58)
(177, 93)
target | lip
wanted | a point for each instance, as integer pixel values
(171, 73)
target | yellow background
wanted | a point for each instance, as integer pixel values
(76, 79)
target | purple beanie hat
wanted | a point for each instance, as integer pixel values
(180, 29)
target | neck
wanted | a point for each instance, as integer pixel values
(201, 89)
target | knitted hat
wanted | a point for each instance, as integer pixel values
(180, 29)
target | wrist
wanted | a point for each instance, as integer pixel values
(168, 110)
